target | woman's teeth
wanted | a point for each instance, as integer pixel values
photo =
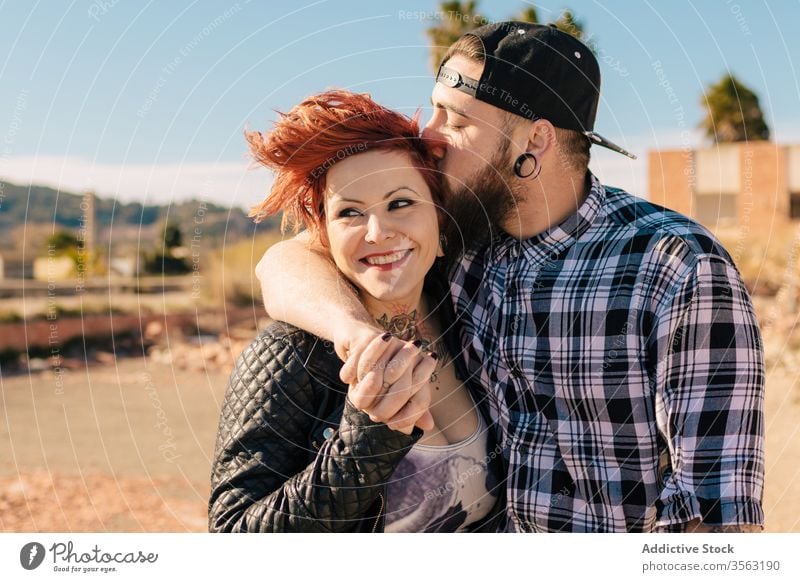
(386, 259)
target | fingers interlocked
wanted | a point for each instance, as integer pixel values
(393, 383)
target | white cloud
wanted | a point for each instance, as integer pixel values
(227, 183)
(241, 184)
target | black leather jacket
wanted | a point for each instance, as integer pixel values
(293, 454)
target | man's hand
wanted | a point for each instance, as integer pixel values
(390, 380)
(301, 286)
(350, 342)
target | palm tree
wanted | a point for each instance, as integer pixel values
(528, 15)
(62, 241)
(570, 24)
(457, 18)
(733, 113)
(172, 236)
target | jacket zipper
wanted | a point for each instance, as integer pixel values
(380, 512)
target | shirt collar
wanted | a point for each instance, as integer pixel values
(555, 240)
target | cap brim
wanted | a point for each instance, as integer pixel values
(598, 139)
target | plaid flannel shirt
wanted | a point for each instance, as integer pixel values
(623, 367)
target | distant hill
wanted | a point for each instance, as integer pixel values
(40, 206)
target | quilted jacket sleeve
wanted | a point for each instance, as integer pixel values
(262, 480)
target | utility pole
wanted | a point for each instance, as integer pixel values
(87, 235)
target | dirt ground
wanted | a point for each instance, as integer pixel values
(127, 446)
(120, 447)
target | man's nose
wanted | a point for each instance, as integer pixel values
(436, 142)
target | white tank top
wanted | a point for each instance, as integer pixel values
(441, 488)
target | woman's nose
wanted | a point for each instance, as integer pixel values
(378, 229)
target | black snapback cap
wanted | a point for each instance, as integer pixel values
(536, 72)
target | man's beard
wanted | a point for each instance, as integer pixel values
(478, 209)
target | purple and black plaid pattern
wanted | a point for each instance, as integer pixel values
(624, 369)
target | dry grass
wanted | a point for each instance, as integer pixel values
(768, 261)
(224, 275)
(230, 275)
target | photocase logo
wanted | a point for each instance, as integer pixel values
(31, 555)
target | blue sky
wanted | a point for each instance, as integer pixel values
(148, 100)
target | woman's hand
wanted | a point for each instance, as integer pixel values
(390, 380)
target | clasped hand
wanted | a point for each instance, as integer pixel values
(388, 378)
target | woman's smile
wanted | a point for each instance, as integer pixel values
(388, 260)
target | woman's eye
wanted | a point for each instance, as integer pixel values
(348, 213)
(401, 203)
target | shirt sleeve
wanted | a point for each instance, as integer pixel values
(709, 393)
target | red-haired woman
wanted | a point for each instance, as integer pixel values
(296, 448)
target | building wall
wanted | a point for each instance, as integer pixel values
(16, 268)
(53, 268)
(719, 180)
(718, 170)
(764, 164)
(742, 184)
(793, 168)
(671, 178)
(793, 177)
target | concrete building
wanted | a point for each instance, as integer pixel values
(53, 268)
(15, 267)
(747, 184)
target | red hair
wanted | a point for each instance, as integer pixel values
(321, 131)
